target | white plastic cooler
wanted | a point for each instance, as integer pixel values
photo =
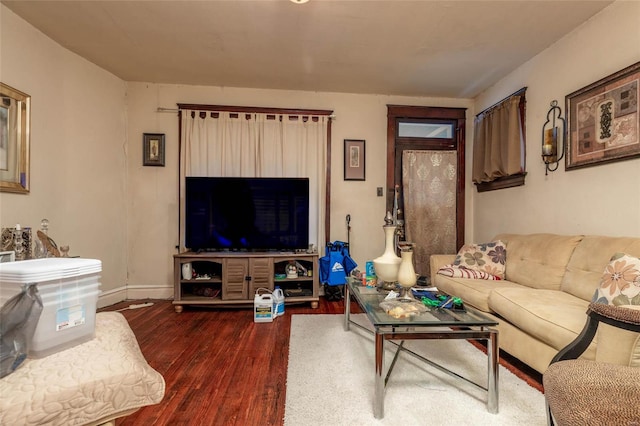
(69, 288)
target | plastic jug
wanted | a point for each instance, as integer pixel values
(263, 308)
(278, 302)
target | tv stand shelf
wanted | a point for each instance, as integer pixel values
(232, 278)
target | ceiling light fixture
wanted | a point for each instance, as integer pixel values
(299, 1)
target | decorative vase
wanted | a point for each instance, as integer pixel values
(40, 251)
(406, 272)
(18, 243)
(386, 266)
(187, 271)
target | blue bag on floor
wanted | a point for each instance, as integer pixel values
(336, 264)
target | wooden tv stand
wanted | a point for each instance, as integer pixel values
(232, 278)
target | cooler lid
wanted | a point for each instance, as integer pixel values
(54, 268)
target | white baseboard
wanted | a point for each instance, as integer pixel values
(149, 292)
(111, 297)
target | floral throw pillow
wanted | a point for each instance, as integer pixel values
(462, 272)
(481, 261)
(620, 282)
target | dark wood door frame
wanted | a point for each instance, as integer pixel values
(455, 115)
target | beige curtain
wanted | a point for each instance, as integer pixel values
(498, 148)
(258, 145)
(429, 189)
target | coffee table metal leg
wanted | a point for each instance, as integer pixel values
(347, 307)
(378, 402)
(492, 385)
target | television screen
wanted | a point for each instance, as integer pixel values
(246, 213)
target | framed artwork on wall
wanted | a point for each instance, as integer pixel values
(15, 116)
(354, 159)
(603, 120)
(7, 256)
(153, 149)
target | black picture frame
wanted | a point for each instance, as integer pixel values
(354, 159)
(153, 151)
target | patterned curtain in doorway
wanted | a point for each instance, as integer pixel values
(429, 189)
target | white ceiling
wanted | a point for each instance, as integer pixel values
(417, 48)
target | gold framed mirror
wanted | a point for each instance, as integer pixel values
(15, 113)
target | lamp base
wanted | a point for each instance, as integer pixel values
(388, 285)
(405, 293)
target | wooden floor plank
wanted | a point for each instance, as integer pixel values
(220, 367)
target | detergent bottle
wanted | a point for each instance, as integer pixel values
(278, 302)
(263, 307)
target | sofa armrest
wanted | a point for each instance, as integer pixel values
(436, 261)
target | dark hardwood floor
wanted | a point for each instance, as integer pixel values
(220, 367)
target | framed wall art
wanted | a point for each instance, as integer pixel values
(7, 256)
(603, 120)
(15, 116)
(153, 149)
(354, 159)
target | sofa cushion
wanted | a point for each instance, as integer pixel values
(620, 286)
(488, 258)
(618, 346)
(591, 256)
(538, 260)
(620, 281)
(551, 316)
(471, 291)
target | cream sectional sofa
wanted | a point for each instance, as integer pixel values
(541, 304)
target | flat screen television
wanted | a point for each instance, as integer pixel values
(252, 214)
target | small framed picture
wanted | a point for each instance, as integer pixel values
(7, 256)
(153, 149)
(354, 159)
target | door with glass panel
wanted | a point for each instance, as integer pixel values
(425, 178)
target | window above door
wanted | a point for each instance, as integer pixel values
(427, 129)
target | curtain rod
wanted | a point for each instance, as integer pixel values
(161, 109)
(517, 92)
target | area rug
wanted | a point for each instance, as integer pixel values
(330, 381)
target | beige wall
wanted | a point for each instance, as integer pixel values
(87, 176)
(86, 161)
(153, 209)
(603, 199)
(78, 135)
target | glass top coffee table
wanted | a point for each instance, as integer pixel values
(436, 323)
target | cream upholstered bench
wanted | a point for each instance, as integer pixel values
(89, 384)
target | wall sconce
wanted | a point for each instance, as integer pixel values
(553, 138)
